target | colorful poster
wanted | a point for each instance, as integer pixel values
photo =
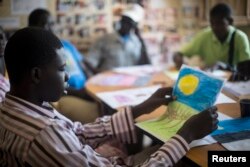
(195, 91)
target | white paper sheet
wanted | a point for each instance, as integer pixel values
(237, 88)
(172, 74)
(219, 73)
(116, 99)
(140, 70)
(241, 145)
(224, 99)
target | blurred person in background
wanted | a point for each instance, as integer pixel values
(124, 47)
(220, 45)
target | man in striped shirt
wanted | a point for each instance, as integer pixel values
(32, 133)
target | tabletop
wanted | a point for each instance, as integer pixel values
(196, 154)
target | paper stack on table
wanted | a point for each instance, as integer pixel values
(238, 89)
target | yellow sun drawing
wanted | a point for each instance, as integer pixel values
(188, 84)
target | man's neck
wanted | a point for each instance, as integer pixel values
(224, 38)
(25, 96)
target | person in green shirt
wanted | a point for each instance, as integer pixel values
(212, 44)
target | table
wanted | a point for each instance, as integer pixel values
(197, 155)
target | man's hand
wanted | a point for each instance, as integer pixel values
(178, 59)
(199, 125)
(156, 100)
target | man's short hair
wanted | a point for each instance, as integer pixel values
(221, 10)
(28, 48)
(38, 17)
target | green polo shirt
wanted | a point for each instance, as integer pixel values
(210, 49)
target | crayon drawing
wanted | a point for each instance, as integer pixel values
(195, 91)
(168, 124)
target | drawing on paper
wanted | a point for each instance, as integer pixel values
(195, 91)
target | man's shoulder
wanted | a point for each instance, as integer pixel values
(241, 34)
(205, 32)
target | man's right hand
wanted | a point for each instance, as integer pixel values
(200, 125)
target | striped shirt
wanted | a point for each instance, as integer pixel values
(31, 135)
(4, 87)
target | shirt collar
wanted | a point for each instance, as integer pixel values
(231, 30)
(46, 110)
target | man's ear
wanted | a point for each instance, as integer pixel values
(36, 75)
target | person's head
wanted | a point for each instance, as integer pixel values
(41, 18)
(126, 25)
(36, 63)
(220, 19)
(130, 18)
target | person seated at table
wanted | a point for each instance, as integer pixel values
(75, 68)
(4, 83)
(35, 134)
(122, 47)
(221, 42)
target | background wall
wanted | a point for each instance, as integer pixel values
(5, 10)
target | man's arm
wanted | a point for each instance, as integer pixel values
(191, 48)
(121, 124)
(62, 145)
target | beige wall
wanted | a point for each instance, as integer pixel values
(5, 11)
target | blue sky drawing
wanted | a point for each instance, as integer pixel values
(206, 92)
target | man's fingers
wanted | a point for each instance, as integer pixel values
(213, 109)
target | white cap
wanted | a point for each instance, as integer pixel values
(135, 12)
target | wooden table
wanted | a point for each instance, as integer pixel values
(198, 154)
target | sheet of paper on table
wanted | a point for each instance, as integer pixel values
(116, 99)
(219, 73)
(195, 91)
(238, 89)
(140, 70)
(115, 79)
(173, 74)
